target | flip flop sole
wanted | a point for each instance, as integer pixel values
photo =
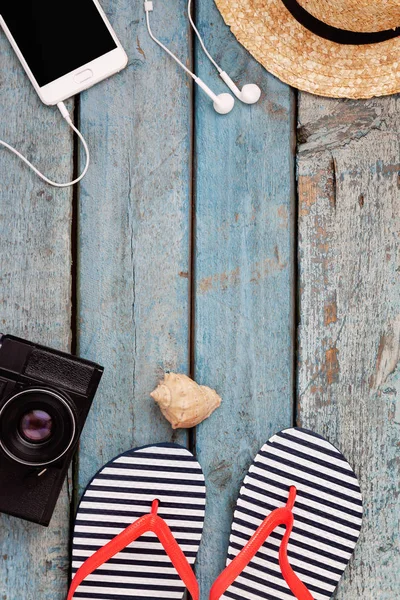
(120, 493)
(327, 517)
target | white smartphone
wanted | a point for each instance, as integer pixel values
(64, 47)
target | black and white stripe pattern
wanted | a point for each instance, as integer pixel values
(118, 495)
(327, 517)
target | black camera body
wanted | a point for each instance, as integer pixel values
(45, 397)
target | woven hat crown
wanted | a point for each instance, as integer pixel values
(356, 15)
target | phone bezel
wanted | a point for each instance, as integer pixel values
(64, 87)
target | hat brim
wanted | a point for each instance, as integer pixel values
(309, 62)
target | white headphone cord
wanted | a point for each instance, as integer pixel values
(189, 8)
(223, 103)
(157, 41)
(63, 110)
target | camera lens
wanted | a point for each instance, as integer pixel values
(36, 426)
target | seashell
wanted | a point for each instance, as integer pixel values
(183, 402)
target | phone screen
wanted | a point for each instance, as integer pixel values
(54, 37)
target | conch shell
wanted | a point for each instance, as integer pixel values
(183, 402)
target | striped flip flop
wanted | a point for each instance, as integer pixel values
(138, 527)
(296, 523)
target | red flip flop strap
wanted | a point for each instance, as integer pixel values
(296, 585)
(280, 516)
(177, 557)
(151, 522)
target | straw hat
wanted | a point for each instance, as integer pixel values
(338, 48)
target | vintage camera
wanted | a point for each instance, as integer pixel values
(45, 396)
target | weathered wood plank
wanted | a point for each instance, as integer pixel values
(349, 383)
(134, 215)
(244, 277)
(35, 283)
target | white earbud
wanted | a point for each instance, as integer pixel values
(250, 93)
(223, 103)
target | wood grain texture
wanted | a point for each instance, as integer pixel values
(134, 224)
(35, 282)
(349, 381)
(243, 277)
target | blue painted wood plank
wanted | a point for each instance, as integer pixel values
(134, 215)
(244, 267)
(35, 287)
(349, 337)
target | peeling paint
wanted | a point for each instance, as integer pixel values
(254, 274)
(283, 216)
(332, 365)
(388, 354)
(396, 418)
(330, 312)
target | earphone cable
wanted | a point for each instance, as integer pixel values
(147, 6)
(206, 52)
(223, 103)
(63, 110)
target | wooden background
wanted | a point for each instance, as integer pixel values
(196, 244)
